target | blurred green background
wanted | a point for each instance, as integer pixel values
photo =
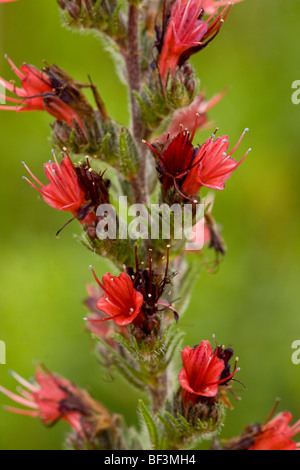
(252, 303)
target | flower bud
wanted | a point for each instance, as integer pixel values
(72, 7)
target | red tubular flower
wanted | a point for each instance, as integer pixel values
(203, 371)
(187, 33)
(187, 169)
(50, 90)
(214, 165)
(63, 192)
(120, 301)
(175, 161)
(96, 325)
(78, 190)
(50, 398)
(277, 434)
(135, 297)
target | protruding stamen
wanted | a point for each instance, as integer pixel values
(32, 175)
(167, 264)
(272, 412)
(96, 278)
(239, 141)
(31, 184)
(214, 338)
(150, 271)
(195, 127)
(151, 148)
(136, 258)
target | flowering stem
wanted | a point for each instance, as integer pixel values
(133, 67)
(159, 391)
(134, 80)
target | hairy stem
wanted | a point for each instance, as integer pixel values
(133, 68)
(159, 392)
(139, 185)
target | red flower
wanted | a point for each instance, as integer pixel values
(277, 434)
(135, 297)
(42, 91)
(203, 371)
(50, 398)
(78, 190)
(63, 192)
(187, 169)
(97, 326)
(175, 161)
(187, 33)
(120, 301)
(214, 165)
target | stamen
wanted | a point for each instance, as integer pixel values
(272, 412)
(214, 338)
(31, 184)
(168, 261)
(96, 278)
(150, 272)
(239, 141)
(195, 127)
(32, 175)
(136, 258)
(101, 320)
(152, 148)
(23, 382)
(226, 379)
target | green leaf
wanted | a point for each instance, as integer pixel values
(129, 155)
(132, 375)
(169, 428)
(150, 424)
